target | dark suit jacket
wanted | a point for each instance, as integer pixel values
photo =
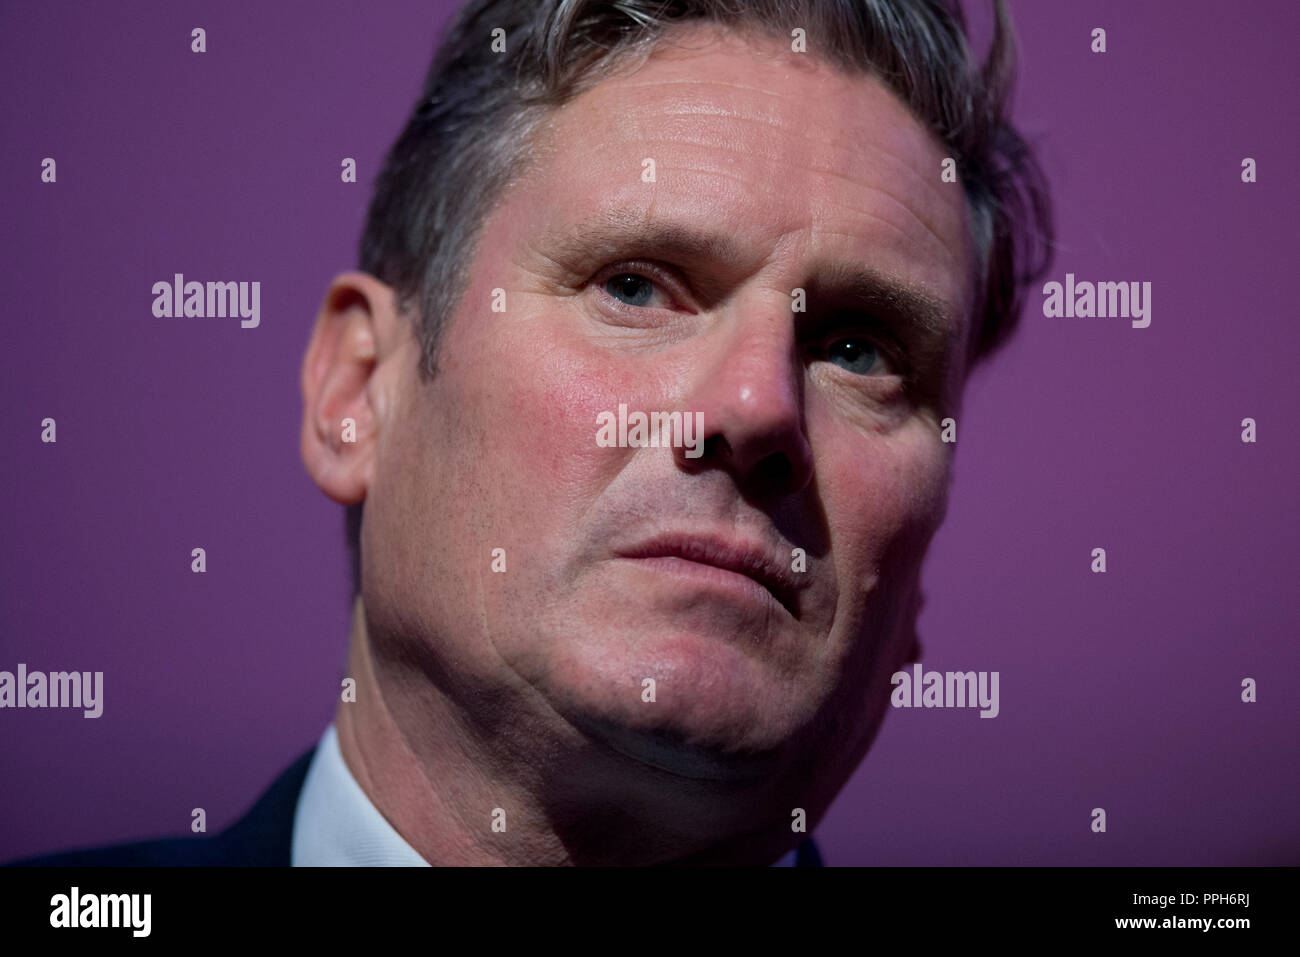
(261, 838)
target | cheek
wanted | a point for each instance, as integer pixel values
(527, 400)
(538, 465)
(553, 415)
(885, 497)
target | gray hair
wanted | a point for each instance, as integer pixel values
(470, 131)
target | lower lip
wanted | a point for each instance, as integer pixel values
(710, 577)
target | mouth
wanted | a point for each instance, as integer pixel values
(744, 567)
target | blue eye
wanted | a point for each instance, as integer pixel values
(855, 355)
(630, 288)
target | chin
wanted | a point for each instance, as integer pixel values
(717, 714)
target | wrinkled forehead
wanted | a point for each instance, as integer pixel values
(733, 130)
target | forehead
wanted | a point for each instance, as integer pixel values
(788, 157)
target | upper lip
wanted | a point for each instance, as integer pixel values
(737, 555)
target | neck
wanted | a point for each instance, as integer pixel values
(442, 776)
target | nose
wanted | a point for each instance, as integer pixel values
(749, 387)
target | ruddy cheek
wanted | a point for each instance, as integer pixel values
(867, 507)
(555, 413)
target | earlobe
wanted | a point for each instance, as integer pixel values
(339, 423)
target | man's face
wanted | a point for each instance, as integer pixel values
(772, 173)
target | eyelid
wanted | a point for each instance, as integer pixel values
(855, 325)
(666, 282)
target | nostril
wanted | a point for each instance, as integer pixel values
(776, 469)
(716, 450)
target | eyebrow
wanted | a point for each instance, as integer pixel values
(623, 233)
(925, 320)
(928, 325)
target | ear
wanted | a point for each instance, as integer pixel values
(357, 324)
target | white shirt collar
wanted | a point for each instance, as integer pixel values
(337, 825)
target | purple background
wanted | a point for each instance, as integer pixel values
(1119, 690)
